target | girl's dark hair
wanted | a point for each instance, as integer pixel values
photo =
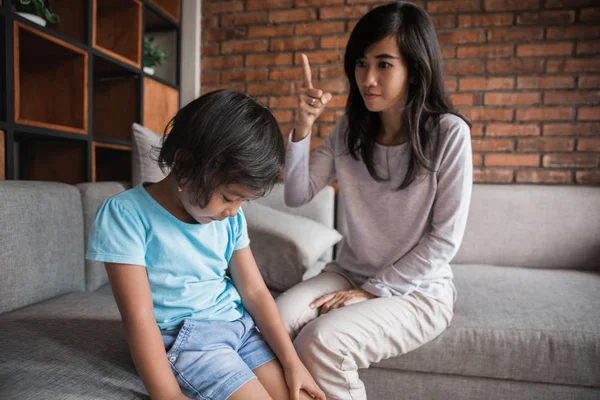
(426, 93)
(221, 138)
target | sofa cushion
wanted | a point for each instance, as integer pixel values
(92, 195)
(70, 347)
(520, 324)
(534, 226)
(145, 145)
(41, 242)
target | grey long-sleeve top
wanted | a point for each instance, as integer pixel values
(397, 241)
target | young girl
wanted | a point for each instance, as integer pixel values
(403, 163)
(169, 245)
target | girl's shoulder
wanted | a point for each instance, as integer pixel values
(127, 202)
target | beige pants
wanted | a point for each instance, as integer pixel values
(335, 345)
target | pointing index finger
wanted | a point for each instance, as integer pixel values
(306, 72)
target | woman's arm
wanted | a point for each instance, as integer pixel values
(132, 292)
(260, 304)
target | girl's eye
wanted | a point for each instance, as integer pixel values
(226, 200)
(384, 64)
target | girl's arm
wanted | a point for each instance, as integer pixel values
(132, 292)
(260, 304)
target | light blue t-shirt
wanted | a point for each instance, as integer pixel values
(185, 263)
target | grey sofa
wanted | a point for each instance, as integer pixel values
(526, 325)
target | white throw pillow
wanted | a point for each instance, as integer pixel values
(143, 167)
(285, 245)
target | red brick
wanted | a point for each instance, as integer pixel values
(331, 115)
(505, 5)
(588, 144)
(543, 50)
(270, 88)
(209, 78)
(509, 99)
(247, 75)
(285, 74)
(334, 87)
(569, 3)
(512, 130)
(334, 42)
(515, 34)
(477, 84)
(543, 176)
(446, 6)
(573, 160)
(573, 32)
(461, 37)
(488, 51)
(589, 14)
(283, 116)
(209, 34)
(210, 22)
(466, 99)
(251, 18)
(243, 46)
(546, 82)
(320, 57)
(283, 102)
(221, 62)
(483, 20)
(444, 21)
(345, 12)
(477, 129)
(488, 114)
(320, 28)
(448, 52)
(463, 67)
(545, 145)
(588, 177)
(579, 97)
(488, 175)
(211, 88)
(451, 84)
(515, 66)
(209, 49)
(293, 15)
(490, 145)
(588, 47)
(579, 129)
(306, 3)
(570, 65)
(588, 113)
(254, 5)
(221, 7)
(293, 44)
(325, 129)
(546, 17)
(511, 160)
(269, 31)
(335, 72)
(338, 102)
(477, 159)
(263, 60)
(544, 114)
(589, 82)
(350, 25)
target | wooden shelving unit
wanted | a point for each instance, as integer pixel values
(70, 92)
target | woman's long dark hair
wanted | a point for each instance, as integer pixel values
(427, 98)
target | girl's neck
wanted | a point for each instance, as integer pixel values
(392, 130)
(165, 193)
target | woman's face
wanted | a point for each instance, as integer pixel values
(224, 202)
(382, 76)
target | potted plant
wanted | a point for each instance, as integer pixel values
(153, 55)
(37, 11)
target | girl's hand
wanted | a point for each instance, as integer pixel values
(311, 103)
(340, 299)
(298, 378)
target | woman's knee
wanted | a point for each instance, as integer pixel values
(319, 338)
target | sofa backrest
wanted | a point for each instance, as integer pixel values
(92, 195)
(41, 242)
(534, 226)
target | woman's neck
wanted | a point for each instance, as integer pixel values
(392, 130)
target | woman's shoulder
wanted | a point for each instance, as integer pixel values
(453, 128)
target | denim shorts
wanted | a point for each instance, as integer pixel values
(213, 359)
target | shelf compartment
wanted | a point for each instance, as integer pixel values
(111, 162)
(73, 17)
(172, 8)
(2, 157)
(3, 93)
(49, 68)
(161, 103)
(51, 159)
(116, 106)
(117, 29)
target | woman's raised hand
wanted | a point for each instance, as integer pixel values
(311, 103)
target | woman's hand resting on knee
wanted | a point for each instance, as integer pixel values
(340, 299)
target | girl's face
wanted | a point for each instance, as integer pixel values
(225, 202)
(381, 76)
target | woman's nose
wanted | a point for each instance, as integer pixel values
(370, 77)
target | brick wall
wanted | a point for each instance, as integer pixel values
(525, 72)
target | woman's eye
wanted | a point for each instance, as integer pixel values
(360, 63)
(384, 64)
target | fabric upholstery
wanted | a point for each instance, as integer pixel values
(520, 324)
(41, 242)
(285, 246)
(143, 167)
(92, 195)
